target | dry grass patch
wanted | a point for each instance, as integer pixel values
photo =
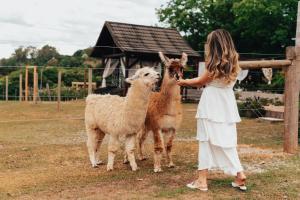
(43, 159)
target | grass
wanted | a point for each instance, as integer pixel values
(43, 156)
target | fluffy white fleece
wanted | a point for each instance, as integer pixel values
(118, 117)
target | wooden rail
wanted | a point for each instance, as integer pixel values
(257, 64)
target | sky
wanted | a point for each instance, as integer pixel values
(68, 25)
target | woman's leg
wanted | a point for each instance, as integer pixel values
(204, 158)
(202, 178)
(240, 178)
(201, 182)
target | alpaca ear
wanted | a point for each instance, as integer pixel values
(163, 58)
(130, 79)
(184, 59)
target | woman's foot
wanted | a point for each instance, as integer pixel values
(240, 182)
(200, 185)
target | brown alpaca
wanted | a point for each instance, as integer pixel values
(164, 113)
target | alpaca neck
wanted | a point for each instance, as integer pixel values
(169, 88)
(136, 105)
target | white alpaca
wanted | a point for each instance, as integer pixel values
(119, 117)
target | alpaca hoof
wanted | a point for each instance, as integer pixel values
(171, 165)
(109, 168)
(157, 170)
(94, 165)
(135, 168)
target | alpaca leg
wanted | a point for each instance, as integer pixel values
(93, 145)
(158, 150)
(123, 149)
(130, 147)
(169, 137)
(100, 140)
(141, 137)
(113, 146)
(125, 159)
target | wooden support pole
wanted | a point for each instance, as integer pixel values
(6, 88)
(26, 83)
(90, 81)
(291, 109)
(291, 94)
(35, 85)
(20, 86)
(291, 104)
(58, 90)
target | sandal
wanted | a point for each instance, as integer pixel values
(193, 186)
(241, 186)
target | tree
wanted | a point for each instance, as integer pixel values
(70, 61)
(52, 62)
(45, 54)
(256, 25)
(20, 55)
(32, 52)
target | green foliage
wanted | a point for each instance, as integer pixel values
(256, 25)
(46, 56)
(67, 94)
(70, 61)
(49, 76)
(251, 108)
(278, 81)
(72, 75)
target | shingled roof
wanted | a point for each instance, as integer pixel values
(120, 38)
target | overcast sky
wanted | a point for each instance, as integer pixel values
(66, 24)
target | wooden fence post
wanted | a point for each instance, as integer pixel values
(84, 81)
(35, 84)
(6, 88)
(90, 81)
(20, 86)
(291, 98)
(26, 83)
(291, 95)
(58, 90)
(48, 91)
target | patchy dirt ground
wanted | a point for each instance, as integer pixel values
(43, 156)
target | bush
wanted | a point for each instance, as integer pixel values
(251, 108)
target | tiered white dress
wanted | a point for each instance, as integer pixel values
(217, 115)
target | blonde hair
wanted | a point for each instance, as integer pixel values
(221, 57)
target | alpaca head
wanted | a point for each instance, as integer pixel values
(146, 76)
(174, 66)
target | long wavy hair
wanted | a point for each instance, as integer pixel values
(221, 56)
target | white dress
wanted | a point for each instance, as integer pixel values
(217, 115)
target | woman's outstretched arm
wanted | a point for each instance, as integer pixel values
(196, 82)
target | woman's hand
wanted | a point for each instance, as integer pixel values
(181, 82)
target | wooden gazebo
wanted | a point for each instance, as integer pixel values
(139, 45)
